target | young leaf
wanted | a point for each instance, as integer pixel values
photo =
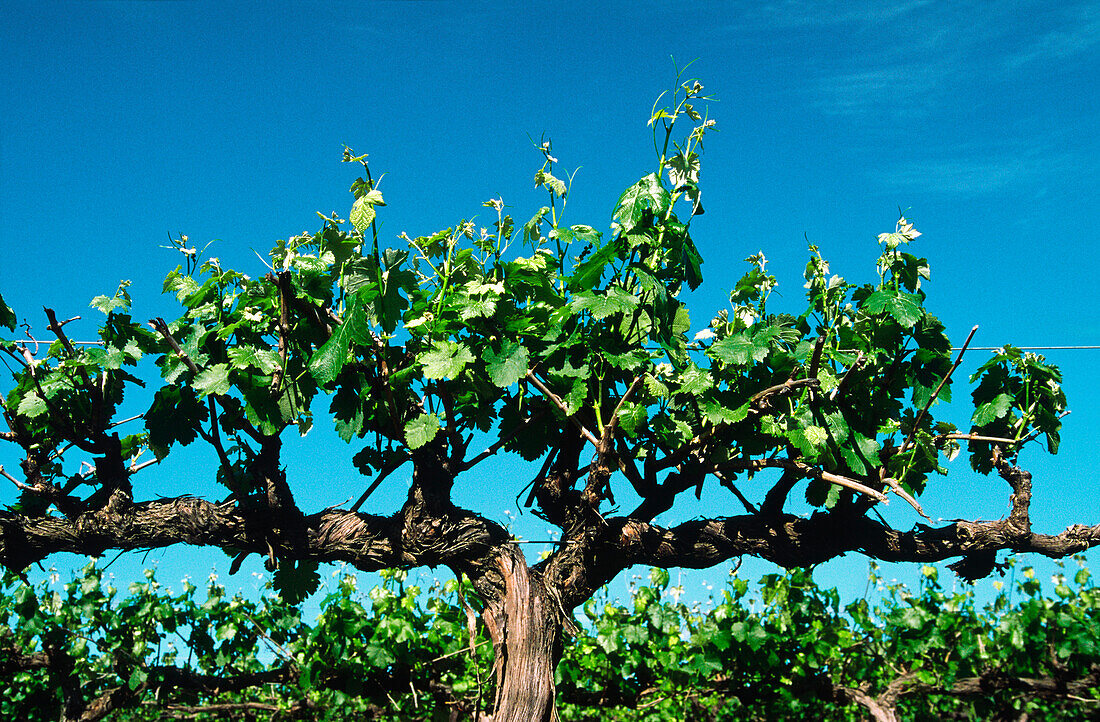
(633, 417)
(905, 308)
(265, 360)
(531, 227)
(173, 416)
(328, 360)
(588, 273)
(137, 677)
(821, 493)
(445, 360)
(809, 440)
(576, 397)
(555, 185)
(108, 305)
(477, 307)
(694, 381)
(738, 350)
(362, 213)
(645, 198)
(683, 168)
(421, 430)
(717, 413)
(32, 405)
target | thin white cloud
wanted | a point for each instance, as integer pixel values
(933, 50)
(1079, 33)
(933, 69)
(887, 91)
(980, 171)
(798, 13)
(971, 176)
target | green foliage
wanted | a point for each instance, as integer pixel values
(527, 339)
(452, 320)
(421, 430)
(395, 652)
(295, 581)
(1018, 395)
(7, 316)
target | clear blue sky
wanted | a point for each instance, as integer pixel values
(127, 121)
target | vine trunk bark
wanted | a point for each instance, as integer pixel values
(526, 627)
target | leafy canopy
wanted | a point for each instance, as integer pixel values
(516, 333)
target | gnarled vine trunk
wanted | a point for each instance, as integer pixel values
(526, 626)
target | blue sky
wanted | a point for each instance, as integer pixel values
(128, 121)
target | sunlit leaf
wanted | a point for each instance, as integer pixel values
(445, 360)
(508, 366)
(645, 199)
(905, 308)
(421, 430)
(362, 213)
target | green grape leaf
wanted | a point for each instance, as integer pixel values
(683, 168)
(576, 397)
(265, 360)
(809, 440)
(992, 410)
(656, 387)
(633, 417)
(329, 360)
(362, 213)
(645, 199)
(108, 305)
(32, 405)
(213, 380)
(717, 413)
(508, 366)
(741, 348)
(295, 581)
(7, 316)
(137, 677)
(587, 274)
(173, 417)
(421, 430)
(555, 185)
(445, 360)
(531, 227)
(694, 381)
(602, 305)
(821, 493)
(904, 307)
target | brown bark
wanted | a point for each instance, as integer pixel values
(457, 538)
(883, 707)
(526, 628)
(880, 710)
